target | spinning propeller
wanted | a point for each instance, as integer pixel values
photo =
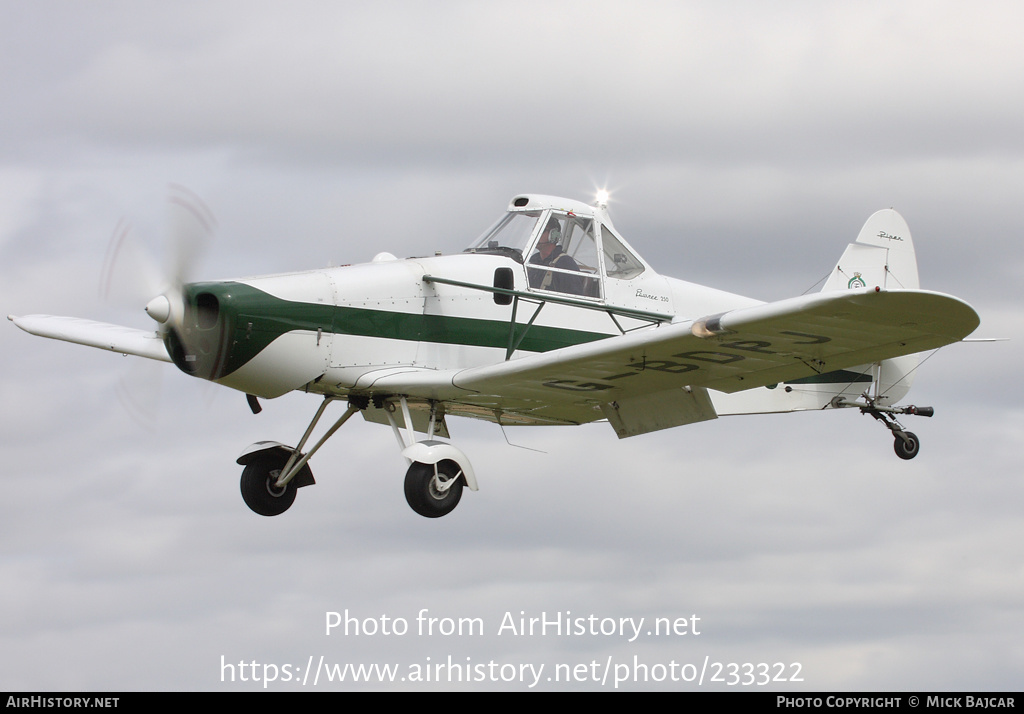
(131, 274)
(130, 267)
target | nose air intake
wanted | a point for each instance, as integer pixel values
(197, 341)
(207, 311)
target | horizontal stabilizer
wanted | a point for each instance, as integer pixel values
(102, 335)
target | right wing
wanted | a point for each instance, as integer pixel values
(672, 365)
(103, 335)
(743, 348)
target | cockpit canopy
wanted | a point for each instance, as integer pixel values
(567, 246)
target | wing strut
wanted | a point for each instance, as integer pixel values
(541, 300)
(513, 344)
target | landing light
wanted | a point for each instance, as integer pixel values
(602, 198)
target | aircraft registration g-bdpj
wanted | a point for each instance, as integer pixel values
(549, 318)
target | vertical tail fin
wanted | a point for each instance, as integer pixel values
(883, 256)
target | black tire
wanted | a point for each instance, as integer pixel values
(258, 490)
(904, 449)
(421, 490)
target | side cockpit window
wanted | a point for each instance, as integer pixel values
(619, 262)
(565, 257)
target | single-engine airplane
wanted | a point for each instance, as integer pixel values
(549, 318)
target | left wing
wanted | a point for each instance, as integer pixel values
(730, 352)
(103, 335)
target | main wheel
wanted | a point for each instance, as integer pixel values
(423, 494)
(259, 490)
(907, 449)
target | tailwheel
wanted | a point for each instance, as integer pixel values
(906, 444)
(260, 490)
(434, 490)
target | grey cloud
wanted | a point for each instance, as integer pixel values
(744, 146)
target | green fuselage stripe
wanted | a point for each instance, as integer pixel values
(446, 329)
(248, 320)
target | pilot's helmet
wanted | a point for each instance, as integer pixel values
(553, 231)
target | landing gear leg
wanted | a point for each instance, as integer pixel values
(274, 472)
(296, 461)
(437, 470)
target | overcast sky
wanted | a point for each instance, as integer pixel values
(743, 143)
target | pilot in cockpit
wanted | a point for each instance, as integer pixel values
(549, 253)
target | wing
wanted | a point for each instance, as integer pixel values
(103, 335)
(668, 368)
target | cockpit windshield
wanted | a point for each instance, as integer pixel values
(509, 236)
